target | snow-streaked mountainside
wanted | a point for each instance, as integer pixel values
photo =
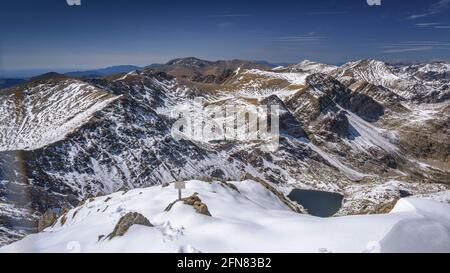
(311, 67)
(45, 113)
(245, 217)
(402, 81)
(369, 131)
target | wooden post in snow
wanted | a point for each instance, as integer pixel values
(180, 185)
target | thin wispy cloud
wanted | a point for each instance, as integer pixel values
(408, 49)
(427, 24)
(435, 8)
(440, 6)
(409, 46)
(433, 25)
(301, 39)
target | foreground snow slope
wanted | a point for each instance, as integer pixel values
(252, 219)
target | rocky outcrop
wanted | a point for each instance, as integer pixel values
(429, 142)
(195, 202)
(384, 208)
(366, 107)
(289, 125)
(47, 220)
(330, 86)
(307, 105)
(381, 94)
(126, 221)
(337, 124)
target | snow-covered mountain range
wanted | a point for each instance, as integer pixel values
(367, 130)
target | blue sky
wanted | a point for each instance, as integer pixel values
(49, 34)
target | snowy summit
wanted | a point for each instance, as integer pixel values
(244, 217)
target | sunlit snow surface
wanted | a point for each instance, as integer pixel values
(251, 219)
(43, 114)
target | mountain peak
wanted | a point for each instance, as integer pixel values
(312, 67)
(49, 76)
(368, 62)
(307, 62)
(188, 61)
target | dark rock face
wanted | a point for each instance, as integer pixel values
(219, 174)
(378, 93)
(289, 125)
(389, 161)
(126, 221)
(339, 124)
(431, 142)
(330, 86)
(332, 94)
(47, 220)
(366, 107)
(319, 106)
(323, 96)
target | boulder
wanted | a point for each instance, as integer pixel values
(195, 202)
(126, 221)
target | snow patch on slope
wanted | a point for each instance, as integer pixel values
(367, 135)
(312, 67)
(347, 171)
(291, 77)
